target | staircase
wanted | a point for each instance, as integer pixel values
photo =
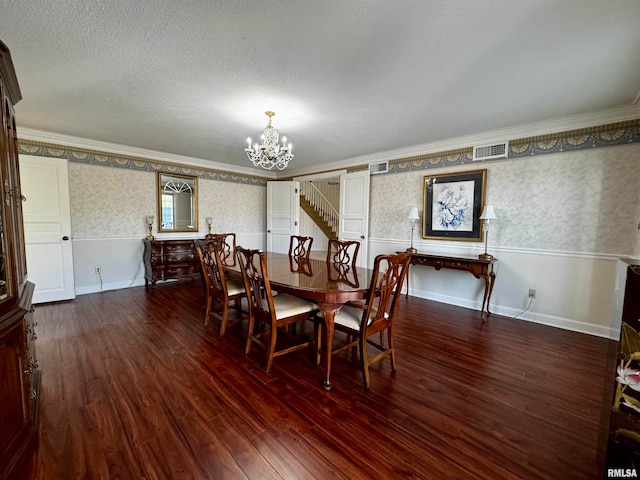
(317, 218)
(319, 209)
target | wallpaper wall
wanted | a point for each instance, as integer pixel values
(234, 207)
(580, 201)
(109, 202)
(113, 202)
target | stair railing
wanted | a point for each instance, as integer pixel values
(320, 203)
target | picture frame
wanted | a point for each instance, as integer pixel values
(453, 203)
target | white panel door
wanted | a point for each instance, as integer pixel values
(283, 214)
(47, 227)
(354, 211)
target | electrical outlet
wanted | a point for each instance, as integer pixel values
(98, 270)
(532, 293)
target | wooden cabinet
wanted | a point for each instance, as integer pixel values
(623, 447)
(169, 260)
(631, 304)
(19, 374)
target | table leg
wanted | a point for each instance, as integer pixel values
(492, 275)
(329, 310)
(407, 279)
(489, 281)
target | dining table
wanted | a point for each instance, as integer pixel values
(328, 284)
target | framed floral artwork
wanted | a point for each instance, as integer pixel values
(453, 204)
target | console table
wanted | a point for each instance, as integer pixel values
(479, 268)
(170, 259)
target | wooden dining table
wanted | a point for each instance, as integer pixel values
(327, 284)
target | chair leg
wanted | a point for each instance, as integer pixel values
(363, 362)
(392, 347)
(207, 311)
(318, 334)
(249, 334)
(272, 346)
(224, 317)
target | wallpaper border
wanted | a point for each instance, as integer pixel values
(614, 134)
(105, 159)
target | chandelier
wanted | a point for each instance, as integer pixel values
(270, 154)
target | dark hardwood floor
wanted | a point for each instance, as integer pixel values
(133, 386)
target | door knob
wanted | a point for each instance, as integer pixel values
(362, 237)
(65, 238)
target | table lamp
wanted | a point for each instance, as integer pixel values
(413, 219)
(209, 221)
(487, 215)
(149, 219)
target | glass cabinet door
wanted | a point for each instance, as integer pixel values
(8, 280)
(19, 256)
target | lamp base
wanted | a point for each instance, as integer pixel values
(150, 237)
(485, 256)
(412, 250)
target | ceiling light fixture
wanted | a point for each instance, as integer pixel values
(270, 154)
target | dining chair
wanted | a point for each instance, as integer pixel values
(375, 315)
(272, 313)
(341, 260)
(220, 288)
(227, 245)
(343, 252)
(300, 246)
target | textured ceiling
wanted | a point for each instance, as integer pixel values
(345, 78)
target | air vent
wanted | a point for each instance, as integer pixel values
(375, 168)
(497, 150)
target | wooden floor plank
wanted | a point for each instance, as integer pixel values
(134, 386)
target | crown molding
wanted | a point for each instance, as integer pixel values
(34, 135)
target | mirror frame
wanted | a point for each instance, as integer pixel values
(194, 200)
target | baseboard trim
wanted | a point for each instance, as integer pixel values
(548, 320)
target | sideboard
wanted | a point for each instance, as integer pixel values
(170, 260)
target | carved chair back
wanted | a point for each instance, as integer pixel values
(300, 246)
(227, 246)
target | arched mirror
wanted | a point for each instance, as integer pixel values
(177, 203)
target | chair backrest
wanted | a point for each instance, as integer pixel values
(227, 246)
(214, 276)
(341, 261)
(344, 252)
(389, 272)
(256, 282)
(300, 246)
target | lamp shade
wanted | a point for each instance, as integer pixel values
(488, 213)
(413, 214)
(149, 219)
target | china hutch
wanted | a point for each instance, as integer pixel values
(19, 373)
